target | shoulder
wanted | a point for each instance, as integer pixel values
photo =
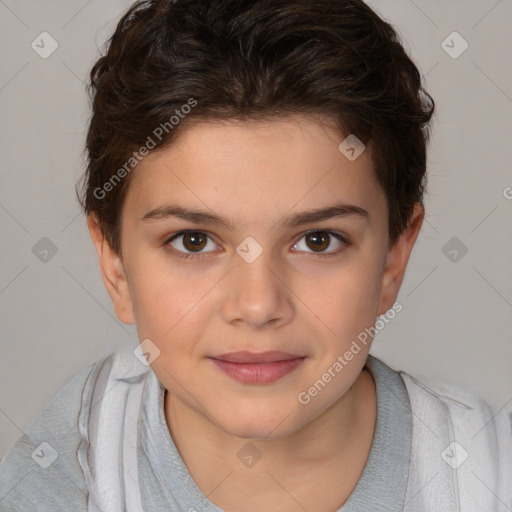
(458, 400)
(457, 428)
(465, 406)
(42, 469)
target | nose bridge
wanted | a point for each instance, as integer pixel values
(257, 293)
(255, 281)
(253, 261)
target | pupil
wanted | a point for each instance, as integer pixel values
(320, 241)
(194, 241)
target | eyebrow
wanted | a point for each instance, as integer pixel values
(197, 216)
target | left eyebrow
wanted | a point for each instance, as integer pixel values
(197, 216)
(327, 213)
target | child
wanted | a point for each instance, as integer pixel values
(254, 190)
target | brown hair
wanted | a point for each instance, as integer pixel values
(189, 60)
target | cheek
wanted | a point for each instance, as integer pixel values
(164, 313)
(345, 296)
(165, 296)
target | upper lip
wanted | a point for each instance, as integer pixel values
(257, 357)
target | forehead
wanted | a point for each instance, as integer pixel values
(271, 164)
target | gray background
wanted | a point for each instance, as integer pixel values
(56, 316)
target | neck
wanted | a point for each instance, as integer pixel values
(338, 441)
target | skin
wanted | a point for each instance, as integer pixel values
(290, 298)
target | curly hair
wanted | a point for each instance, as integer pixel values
(253, 60)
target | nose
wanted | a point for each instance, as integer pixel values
(257, 294)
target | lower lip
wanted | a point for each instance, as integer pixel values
(258, 373)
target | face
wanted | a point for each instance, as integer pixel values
(252, 272)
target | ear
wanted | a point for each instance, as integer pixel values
(113, 273)
(396, 261)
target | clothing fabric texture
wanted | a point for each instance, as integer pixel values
(102, 444)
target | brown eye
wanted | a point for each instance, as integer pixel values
(193, 241)
(318, 240)
(190, 242)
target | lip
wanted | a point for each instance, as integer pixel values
(258, 368)
(256, 357)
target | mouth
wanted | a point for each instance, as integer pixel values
(257, 368)
(256, 357)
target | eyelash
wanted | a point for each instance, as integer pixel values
(344, 240)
